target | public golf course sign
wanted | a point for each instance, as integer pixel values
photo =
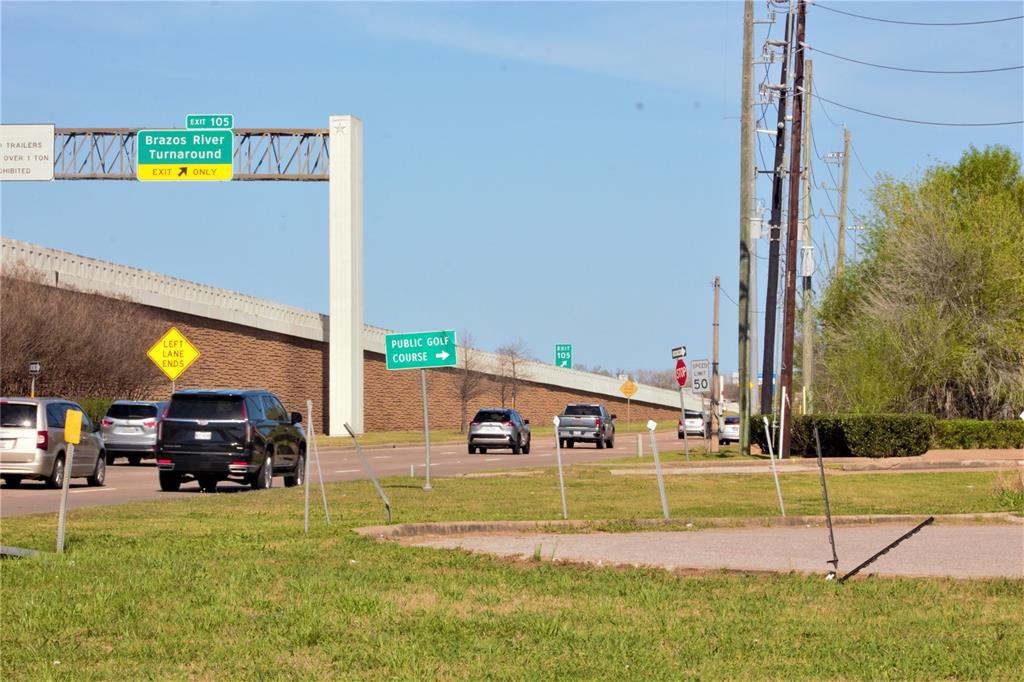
(184, 155)
(563, 355)
(420, 350)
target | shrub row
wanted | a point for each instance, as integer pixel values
(972, 433)
(856, 435)
(890, 435)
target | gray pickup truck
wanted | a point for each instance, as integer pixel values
(584, 423)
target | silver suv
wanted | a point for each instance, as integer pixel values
(498, 427)
(129, 430)
(32, 443)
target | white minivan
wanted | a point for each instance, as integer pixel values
(32, 443)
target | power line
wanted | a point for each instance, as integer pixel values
(917, 23)
(919, 122)
(901, 68)
(861, 163)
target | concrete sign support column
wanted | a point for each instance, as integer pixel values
(345, 249)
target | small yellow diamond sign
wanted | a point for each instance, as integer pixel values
(628, 388)
(173, 354)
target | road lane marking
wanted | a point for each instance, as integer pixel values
(449, 453)
(492, 459)
(382, 457)
(346, 471)
(546, 454)
(91, 490)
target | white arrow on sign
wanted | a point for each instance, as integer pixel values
(443, 355)
(564, 363)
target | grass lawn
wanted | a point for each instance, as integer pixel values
(378, 438)
(226, 587)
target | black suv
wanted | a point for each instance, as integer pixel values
(217, 435)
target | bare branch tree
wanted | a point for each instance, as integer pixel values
(510, 370)
(471, 382)
(89, 346)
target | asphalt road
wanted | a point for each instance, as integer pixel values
(127, 483)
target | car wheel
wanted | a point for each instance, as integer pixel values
(110, 458)
(56, 477)
(679, 435)
(526, 448)
(134, 460)
(265, 476)
(99, 474)
(611, 442)
(517, 447)
(298, 477)
(170, 481)
(483, 451)
(12, 481)
(600, 443)
(470, 449)
(570, 443)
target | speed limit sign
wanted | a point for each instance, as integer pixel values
(701, 376)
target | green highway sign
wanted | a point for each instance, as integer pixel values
(176, 155)
(563, 355)
(420, 350)
(218, 121)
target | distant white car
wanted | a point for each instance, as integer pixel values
(692, 424)
(730, 431)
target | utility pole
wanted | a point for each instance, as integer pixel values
(774, 225)
(789, 310)
(716, 394)
(841, 256)
(747, 175)
(807, 364)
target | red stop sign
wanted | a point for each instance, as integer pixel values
(681, 372)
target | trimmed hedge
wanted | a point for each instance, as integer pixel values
(855, 435)
(972, 433)
(96, 408)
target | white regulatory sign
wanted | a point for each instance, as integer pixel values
(26, 152)
(700, 373)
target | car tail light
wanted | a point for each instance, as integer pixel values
(597, 422)
(107, 422)
(163, 461)
(42, 440)
(148, 422)
(506, 423)
(680, 422)
(239, 464)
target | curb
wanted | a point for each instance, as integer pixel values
(410, 530)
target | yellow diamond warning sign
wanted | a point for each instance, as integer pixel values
(173, 354)
(628, 388)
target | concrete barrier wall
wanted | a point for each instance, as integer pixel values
(248, 342)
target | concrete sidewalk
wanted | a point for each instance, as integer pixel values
(958, 551)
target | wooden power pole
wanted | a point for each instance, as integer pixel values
(841, 253)
(789, 310)
(807, 363)
(716, 394)
(747, 172)
(775, 229)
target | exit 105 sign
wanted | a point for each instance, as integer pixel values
(563, 355)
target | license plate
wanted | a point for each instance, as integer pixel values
(575, 433)
(203, 435)
(130, 429)
(7, 444)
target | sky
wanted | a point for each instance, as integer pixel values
(552, 172)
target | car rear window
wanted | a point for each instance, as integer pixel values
(205, 407)
(583, 411)
(693, 414)
(492, 416)
(18, 415)
(131, 411)
(732, 420)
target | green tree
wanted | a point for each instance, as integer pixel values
(932, 318)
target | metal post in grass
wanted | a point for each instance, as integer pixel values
(828, 511)
(651, 426)
(62, 517)
(311, 437)
(369, 471)
(305, 474)
(561, 478)
(639, 446)
(775, 472)
(426, 426)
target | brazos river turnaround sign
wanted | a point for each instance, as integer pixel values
(176, 155)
